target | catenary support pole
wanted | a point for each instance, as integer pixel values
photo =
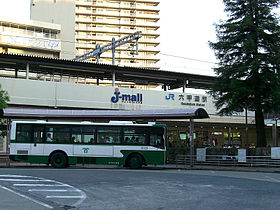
(113, 62)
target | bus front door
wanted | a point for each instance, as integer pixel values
(37, 147)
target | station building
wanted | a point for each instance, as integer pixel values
(50, 83)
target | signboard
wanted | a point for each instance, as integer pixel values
(126, 98)
(201, 154)
(31, 41)
(242, 156)
(275, 152)
(187, 99)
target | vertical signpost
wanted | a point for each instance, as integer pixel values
(191, 143)
(201, 154)
(242, 156)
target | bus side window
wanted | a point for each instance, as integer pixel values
(38, 134)
(24, 133)
(83, 134)
(88, 135)
(134, 135)
(59, 133)
(108, 135)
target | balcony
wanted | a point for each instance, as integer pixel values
(138, 15)
(86, 46)
(108, 39)
(122, 23)
(122, 31)
(117, 6)
(148, 1)
(84, 20)
(125, 49)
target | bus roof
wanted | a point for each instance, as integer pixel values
(115, 123)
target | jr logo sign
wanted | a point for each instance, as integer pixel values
(170, 97)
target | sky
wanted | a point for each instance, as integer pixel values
(21, 9)
(186, 26)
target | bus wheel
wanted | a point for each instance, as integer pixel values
(58, 160)
(134, 161)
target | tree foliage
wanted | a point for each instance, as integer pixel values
(248, 50)
(4, 98)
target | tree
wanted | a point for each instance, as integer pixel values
(4, 98)
(248, 50)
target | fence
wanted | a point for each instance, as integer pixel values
(4, 160)
(228, 160)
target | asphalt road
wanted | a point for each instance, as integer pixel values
(46, 188)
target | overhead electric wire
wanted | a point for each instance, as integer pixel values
(186, 58)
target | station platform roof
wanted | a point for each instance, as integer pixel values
(47, 113)
(140, 76)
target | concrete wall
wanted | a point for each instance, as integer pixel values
(60, 12)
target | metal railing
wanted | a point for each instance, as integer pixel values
(4, 160)
(229, 160)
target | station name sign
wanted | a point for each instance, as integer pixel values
(188, 100)
(126, 98)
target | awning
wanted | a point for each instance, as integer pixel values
(34, 113)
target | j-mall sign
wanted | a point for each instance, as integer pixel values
(126, 98)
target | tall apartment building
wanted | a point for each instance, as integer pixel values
(98, 21)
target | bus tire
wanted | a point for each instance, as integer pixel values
(134, 161)
(58, 160)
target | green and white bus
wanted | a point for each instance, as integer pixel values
(63, 143)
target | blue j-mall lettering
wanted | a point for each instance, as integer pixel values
(129, 98)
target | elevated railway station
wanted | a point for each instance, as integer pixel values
(57, 84)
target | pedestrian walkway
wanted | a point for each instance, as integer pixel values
(157, 167)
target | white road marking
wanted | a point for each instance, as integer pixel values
(206, 185)
(56, 184)
(25, 180)
(41, 185)
(47, 190)
(84, 196)
(14, 176)
(26, 197)
(273, 179)
(64, 196)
